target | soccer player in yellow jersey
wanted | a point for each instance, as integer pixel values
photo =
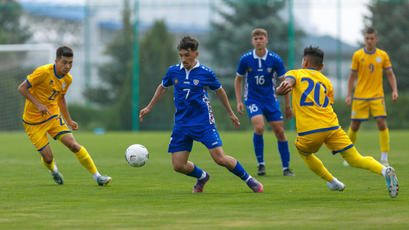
(46, 111)
(317, 123)
(367, 67)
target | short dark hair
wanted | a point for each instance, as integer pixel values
(64, 51)
(188, 42)
(315, 55)
(370, 30)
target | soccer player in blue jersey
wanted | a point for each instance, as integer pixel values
(194, 117)
(259, 67)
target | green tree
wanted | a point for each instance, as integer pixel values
(157, 53)
(390, 19)
(231, 36)
(11, 32)
(116, 77)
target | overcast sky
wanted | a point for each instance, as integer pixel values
(319, 16)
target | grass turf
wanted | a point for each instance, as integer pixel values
(156, 197)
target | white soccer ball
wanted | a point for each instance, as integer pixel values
(136, 155)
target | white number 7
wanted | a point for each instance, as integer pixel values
(187, 93)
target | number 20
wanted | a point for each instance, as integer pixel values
(316, 88)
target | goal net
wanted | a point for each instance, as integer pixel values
(18, 61)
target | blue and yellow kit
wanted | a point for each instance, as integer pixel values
(47, 87)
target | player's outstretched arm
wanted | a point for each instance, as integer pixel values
(23, 90)
(286, 86)
(392, 83)
(221, 94)
(62, 104)
(160, 91)
(351, 82)
(237, 90)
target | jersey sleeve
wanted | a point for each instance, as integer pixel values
(279, 66)
(241, 68)
(67, 85)
(167, 80)
(291, 74)
(387, 62)
(330, 93)
(213, 83)
(36, 77)
(355, 62)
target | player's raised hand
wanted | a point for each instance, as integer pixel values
(284, 88)
(240, 107)
(143, 112)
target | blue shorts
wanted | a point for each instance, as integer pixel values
(183, 136)
(272, 112)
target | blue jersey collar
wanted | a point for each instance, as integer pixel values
(197, 65)
(256, 57)
(367, 52)
(55, 73)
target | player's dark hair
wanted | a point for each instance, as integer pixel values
(315, 55)
(64, 51)
(188, 42)
(370, 30)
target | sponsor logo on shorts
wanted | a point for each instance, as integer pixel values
(215, 143)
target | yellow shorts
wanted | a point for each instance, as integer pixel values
(37, 133)
(336, 140)
(361, 108)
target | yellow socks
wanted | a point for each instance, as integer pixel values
(85, 159)
(50, 166)
(384, 140)
(357, 160)
(352, 135)
(316, 166)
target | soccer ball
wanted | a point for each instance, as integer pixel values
(136, 155)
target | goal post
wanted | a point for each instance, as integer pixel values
(17, 61)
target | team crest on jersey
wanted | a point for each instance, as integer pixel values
(51, 82)
(250, 70)
(362, 60)
(195, 82)
(269, 69)
(176, 81)
(378, 59)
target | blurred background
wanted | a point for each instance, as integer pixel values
(122, 50)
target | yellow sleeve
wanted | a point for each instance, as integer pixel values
(355, 62)
(387, 63)
(330, 93)
(67, 84)
(36, 77)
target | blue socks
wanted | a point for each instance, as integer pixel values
(258, 144)
(284, 153)
(240, 172)
(197, 172)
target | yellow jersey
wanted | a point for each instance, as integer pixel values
(370, 68)
(312, 99)
(47, 87)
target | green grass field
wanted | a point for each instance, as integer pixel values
(156, 197)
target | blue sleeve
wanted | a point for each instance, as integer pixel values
(213, 83)
(279, 67)
(242, 67)
(167, 80)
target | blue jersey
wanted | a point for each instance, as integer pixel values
(190, 94)
(260, 73)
